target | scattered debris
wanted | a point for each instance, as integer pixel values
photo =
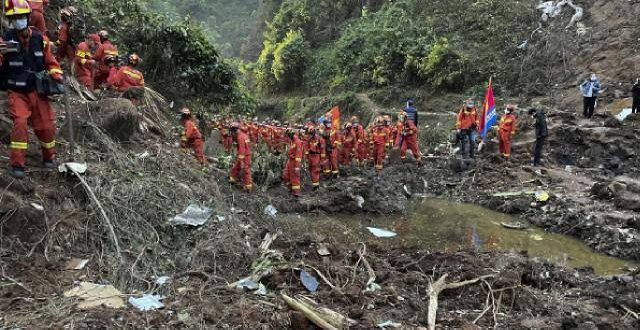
(147, 302)
(79, 168)
(247, 283)
(262, 290)
(194, 216)
(270, 211)
(360, 201)
(143, 155)
(536, 237)
(542, 196)
(389, 324)
(95, 295)
(76, 264)
(309, 282)
(162, 280)
(221, 218)
(514, 225)
(624, 114)
(322, 250)
(37, 207)
(381, 232)
(324, 318)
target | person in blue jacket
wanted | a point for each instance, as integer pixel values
(411, 111)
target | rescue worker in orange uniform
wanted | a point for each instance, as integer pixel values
(25, 51)
(506, 131)
(360, 146)
(265, 134)
(316, 151)
(349, 140)
(242, 166)
(467, 124)
(64, 43)
(36, 18)
(333, 142)
(84, 62)
(106, 50)
(291, 174)
(191, 137)
(409, 139)
(379, 141)
(126, 77)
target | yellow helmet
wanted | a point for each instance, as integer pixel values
(16, 7)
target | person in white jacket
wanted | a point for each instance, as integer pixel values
(590, 89)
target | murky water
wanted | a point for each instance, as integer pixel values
(445, 226)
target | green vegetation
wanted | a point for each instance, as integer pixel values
(447, 45)
(178, 58)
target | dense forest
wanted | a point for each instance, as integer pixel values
(285, 46)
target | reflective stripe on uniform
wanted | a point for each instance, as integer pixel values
(19, 145)
(295, 187)
(55, 70)
(48, 145)
(132, 74)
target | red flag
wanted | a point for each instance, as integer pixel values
(488, 117)
(335, 117)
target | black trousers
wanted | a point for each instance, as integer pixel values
(537, 150)
(589, 106)
(636, 105)
(467, 143)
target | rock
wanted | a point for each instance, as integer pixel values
(628, 201)
(617, 188)
(612, 122)
(600, 190)
(119, 118)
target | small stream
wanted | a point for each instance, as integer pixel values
(440, 225)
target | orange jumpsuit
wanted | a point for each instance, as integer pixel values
(84, 66)
(191, 138)
(316, 153)
(507, 130)
(125, 78)
(279, 142)
(36, 19)
(335, 141)
(265, 135)
(467, 119)
(25, 104)
(225, 137)
(291, 174)
(410, 141)
(361, 147)
(242, 166)
(349, 140)
(104, 49)
(65, 49)
(380, 140)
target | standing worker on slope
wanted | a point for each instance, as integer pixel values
(242, 166)
(590, 89)
(291, 173)
(105, 50)
(84, 61)
(191, 137)
(126, 77)
(409, 139)
(24, 52)
(506, 131)
(467, 123)
(542, 132)
(411, 111)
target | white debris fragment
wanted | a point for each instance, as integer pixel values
(147, 302)
(194, 215)
(381, 232)
(37, 207)
(270, 211)
(72, 167)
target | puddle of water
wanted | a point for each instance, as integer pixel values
(444, 226)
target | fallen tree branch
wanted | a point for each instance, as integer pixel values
(310, 314)
(630, 312)
(372, 274)
(112, 231)
(440, 285)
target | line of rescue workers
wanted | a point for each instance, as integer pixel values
(29, 72)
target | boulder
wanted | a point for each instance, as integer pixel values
(628, 201)
(118, 117)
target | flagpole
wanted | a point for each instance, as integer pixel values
(485, 110)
